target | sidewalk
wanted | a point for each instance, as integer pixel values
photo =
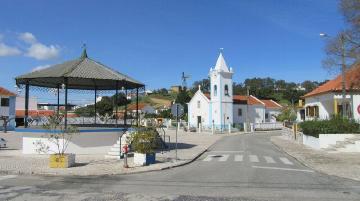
(345, 165)
(190, 146)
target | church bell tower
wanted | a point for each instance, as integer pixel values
(221, 104)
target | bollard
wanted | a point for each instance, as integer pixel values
(251, 127)
(213, 128)
(295, 130)
(199, 128)
(125, 150)
(229, 128)
(188, 127)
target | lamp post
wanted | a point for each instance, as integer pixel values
(247, 107)
(343, 39)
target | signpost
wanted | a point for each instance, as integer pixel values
(177, 110)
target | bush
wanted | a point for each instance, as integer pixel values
(144, 141)
(335, 125)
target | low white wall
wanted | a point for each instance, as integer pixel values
(324, 140)
(268, 126)
(83, 143)
(311, 141)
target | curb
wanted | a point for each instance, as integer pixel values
(309, 166)
(183, 163)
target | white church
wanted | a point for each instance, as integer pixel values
(221, 108)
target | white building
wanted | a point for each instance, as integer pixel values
(221, 108)
(326, 100)
(7, 107)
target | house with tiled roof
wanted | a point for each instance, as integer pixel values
(326, 100)
(142, 108)
(7, 108)
(220, 108)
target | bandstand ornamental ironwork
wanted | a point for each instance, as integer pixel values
(81, 74)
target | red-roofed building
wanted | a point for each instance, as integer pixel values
(7, 107)
(326, 100)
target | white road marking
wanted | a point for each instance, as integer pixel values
(277, 168)
(253, 158)
(214, 151)
(286, 161)
(224, 158)
(7, 177)
(208, 158)
(269, 159)
(238, 158)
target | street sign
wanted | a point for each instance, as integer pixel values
(177, 110)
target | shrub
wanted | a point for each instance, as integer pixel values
(144, 141)
(334, 125)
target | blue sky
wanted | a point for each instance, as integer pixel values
(154, 41)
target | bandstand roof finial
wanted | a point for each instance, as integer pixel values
(84, 53)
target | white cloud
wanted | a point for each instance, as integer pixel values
(37, 49)
(40, 67)
(27, 37)
(6, 50)
(42, 52)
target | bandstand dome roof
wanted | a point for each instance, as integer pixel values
(82, 73)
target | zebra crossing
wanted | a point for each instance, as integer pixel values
(4, 177)
(250, 158)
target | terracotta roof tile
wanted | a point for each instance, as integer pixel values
(252, 100)
(352, 82)
(240, 99)
(37, 113)
(133, 106)
(271, 104)
(6, 92)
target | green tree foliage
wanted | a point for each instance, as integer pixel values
(86, 111)
(287, 114)
(204, 83)
(121, 99)
(161, 91)
(183, 97)
(165, 114)
(267, 88)
(103, 107)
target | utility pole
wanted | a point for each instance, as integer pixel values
(343, 38)
(343, 75)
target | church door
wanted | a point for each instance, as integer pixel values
(198, 121)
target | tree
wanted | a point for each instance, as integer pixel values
(183, 97)
(204, 84)
(105, 106)
(121, 99)
(347, 42)
(287, 114)
(87, 111)
(161, 91)
(309, 85)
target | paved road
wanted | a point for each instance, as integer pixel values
(243, 167)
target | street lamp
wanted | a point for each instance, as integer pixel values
(343, 39)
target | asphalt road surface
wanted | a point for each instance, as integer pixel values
(243, 167)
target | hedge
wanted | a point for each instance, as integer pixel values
(335, 125)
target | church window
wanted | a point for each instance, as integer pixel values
(198, 104)
(240, 112)
(215, 90)
(226, 90)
